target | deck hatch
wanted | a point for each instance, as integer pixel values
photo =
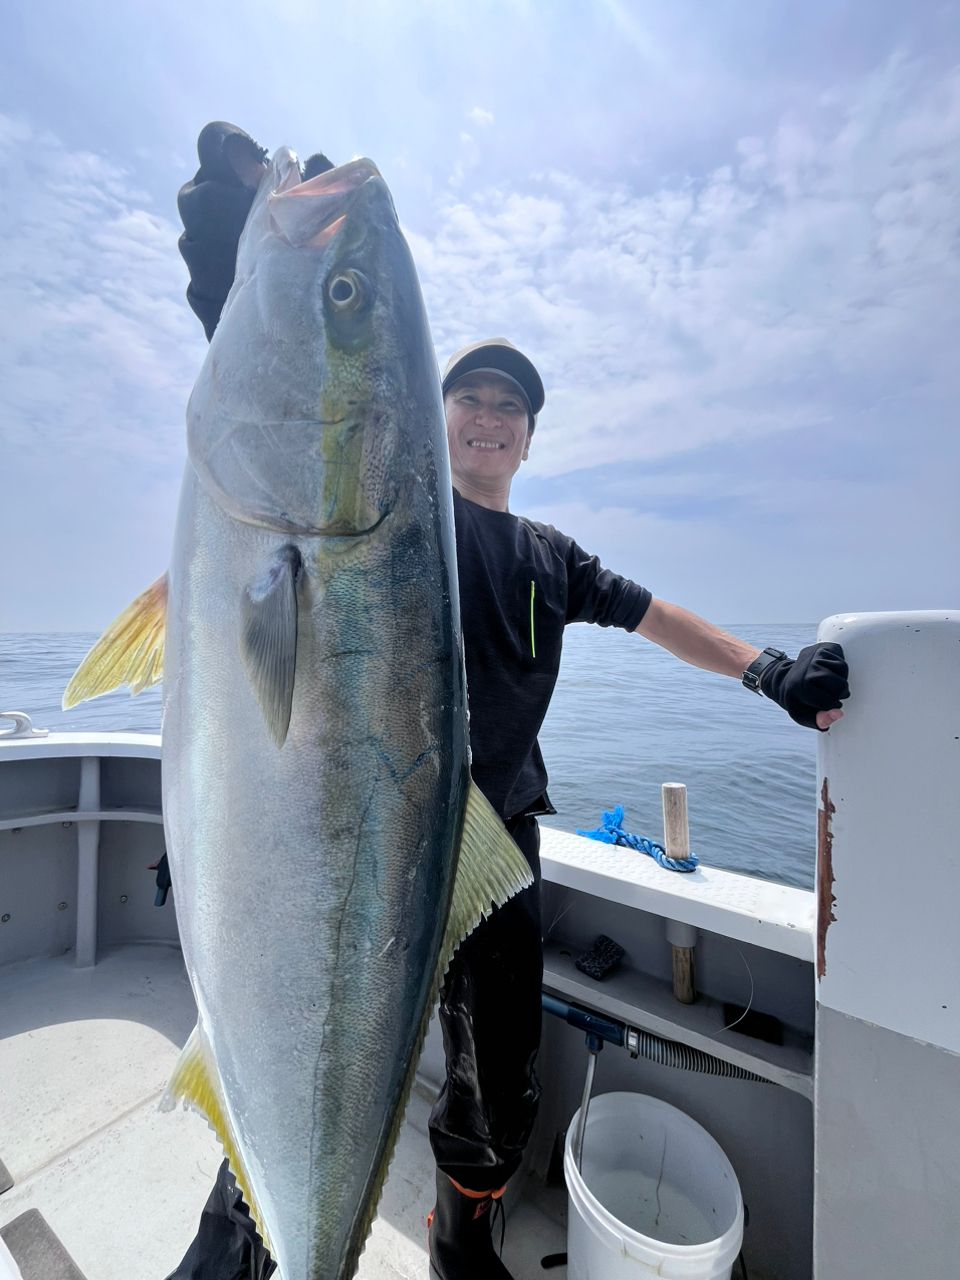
(36, 1249)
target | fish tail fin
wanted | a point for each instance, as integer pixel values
(196, 1083)
(130, 651)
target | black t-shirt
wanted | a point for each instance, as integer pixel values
(521, 582)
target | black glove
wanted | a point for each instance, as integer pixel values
(214, 206)
(815, 681)
(162, 868)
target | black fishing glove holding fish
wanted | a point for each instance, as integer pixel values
(815, 681)
(214, 205)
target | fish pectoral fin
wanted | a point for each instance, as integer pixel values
(196, 1083)
(490, 870)
(130, 651)
(269, 640)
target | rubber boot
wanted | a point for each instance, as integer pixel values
(460, 1240)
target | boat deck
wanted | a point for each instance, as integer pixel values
(84, 1059)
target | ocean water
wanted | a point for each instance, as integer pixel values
(625, 718)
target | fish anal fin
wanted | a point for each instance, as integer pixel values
(490, 870)
(129, 652)
(269, 639)
(196, 1083)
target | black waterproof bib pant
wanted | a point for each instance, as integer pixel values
(490, 1017)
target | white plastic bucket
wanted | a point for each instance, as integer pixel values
(656, 1195)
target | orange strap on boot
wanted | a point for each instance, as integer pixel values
(471, 1195)
(478, 1195)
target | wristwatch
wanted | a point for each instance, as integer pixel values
(751, 677)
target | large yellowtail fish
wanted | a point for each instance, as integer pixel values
(327, 848)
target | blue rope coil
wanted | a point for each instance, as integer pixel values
(611, 832)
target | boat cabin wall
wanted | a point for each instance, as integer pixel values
(78, 835)
(31, 788)
(38, 892)
(38, 889)
(727, 969)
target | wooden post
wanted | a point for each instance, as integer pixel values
(684, 977)
(676, 841)
(676, 832)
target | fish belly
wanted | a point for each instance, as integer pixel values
(312, 880)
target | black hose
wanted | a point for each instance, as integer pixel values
(669, 1053)
(644, 1044)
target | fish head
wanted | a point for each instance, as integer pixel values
(319, 399)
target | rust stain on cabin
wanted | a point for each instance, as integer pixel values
(825, 895)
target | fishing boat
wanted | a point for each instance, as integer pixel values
(814, 1035)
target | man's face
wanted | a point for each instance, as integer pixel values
(487, 427)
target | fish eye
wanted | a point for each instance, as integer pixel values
(347, 290)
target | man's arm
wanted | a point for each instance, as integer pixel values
(695, 640)
(809, 689)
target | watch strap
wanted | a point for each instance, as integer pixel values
(751, 677)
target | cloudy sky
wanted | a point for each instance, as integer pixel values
(727, 233)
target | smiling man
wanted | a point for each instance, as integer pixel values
(521, 584)
(491, 415)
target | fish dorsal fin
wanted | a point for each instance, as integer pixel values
(196, 1083)
(130, 651)
(269, 640)
(491, 869)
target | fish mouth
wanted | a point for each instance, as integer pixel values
(311, 213)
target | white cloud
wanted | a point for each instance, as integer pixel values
(831, 557)
(812, 275)
(806, 272)
(98, 351)
(97, 347)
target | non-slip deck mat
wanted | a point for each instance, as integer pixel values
(6, 1182)
(37, 1251)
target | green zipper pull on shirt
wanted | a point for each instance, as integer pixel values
(533, 640)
